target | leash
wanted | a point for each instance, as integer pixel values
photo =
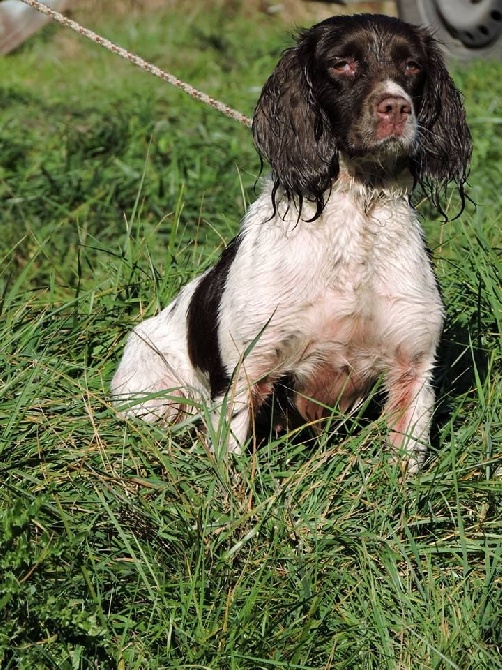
(139, 62)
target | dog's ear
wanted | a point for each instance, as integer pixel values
(444, 144)
(291, 130)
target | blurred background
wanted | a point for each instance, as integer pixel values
(468, 28)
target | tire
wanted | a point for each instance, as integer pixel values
(467, 29)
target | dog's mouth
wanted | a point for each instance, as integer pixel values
(398, 142)
(379, 150)
(388, 130)
(390, 135)
(378, 140)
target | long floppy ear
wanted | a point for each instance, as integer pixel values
(444, 144)
(292, 132)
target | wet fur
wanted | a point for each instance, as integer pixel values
(328, 284)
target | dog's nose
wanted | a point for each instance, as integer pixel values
(393, 109)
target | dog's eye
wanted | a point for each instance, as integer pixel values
(411, 67)
(343, 66)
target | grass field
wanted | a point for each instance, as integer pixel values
(126, 546)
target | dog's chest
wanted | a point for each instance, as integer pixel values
(351, 281)
(360, 267)
(354, 256)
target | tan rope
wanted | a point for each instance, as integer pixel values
(136, 60)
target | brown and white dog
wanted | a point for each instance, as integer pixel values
(328, 283)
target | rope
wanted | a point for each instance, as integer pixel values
(139, 62)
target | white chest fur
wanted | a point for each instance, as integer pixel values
(333, 303)
(354, 286)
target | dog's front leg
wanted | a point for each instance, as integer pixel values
(233, 414)
(409, 409)
(230, 422)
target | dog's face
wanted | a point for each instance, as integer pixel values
(367, 88)
(370, 82)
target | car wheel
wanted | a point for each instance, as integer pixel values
(467, 28)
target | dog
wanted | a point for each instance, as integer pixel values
(328, 284)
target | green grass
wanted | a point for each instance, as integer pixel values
(126, 546)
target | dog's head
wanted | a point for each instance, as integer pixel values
(372, 90)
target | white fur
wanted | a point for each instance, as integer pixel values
(336, 302)
(331, 302)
